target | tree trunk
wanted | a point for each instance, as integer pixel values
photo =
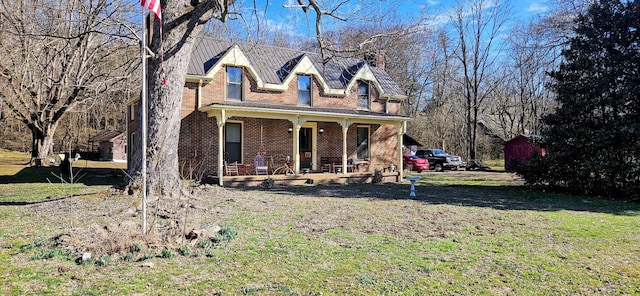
(164, 99)
(164, 121)
(42, 140)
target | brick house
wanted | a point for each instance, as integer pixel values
(243, 99)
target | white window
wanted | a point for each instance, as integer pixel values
(234, 83)
(363, 94)
(304, 90)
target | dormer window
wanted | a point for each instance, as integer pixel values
(234, 83)
(304, 90)
(363, 94)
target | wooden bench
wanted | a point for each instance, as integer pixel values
(330, 163)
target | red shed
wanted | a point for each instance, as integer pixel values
(521, 148)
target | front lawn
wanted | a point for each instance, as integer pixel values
(460, 235)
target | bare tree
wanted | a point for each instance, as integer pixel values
(477, 24)
(523, 97)
(403, 50)
(58, 54)
(558, 23)
(446, 124)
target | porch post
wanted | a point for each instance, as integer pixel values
(220, 118)
(401, 128)
(345, 128)
(296, 147)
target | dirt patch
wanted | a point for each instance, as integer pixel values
(121, 232)
(178, 223)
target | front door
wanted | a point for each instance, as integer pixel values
(306, 147)
(233, 142)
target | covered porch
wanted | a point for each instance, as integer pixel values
(309, 178)
(313, 135)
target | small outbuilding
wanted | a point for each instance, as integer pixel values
(520, 149)
(112, 146)
(410, 145)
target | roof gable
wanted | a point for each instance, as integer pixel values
(273, 68)
(107, 136)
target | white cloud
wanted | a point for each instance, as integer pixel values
(537, 7)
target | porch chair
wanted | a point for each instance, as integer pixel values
(325, 164)
(352, 164)
(261, 167)
(357, 164)
(231, 169)
(336, 164)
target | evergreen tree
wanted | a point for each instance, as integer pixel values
(593, 138)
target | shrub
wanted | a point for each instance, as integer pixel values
(103, 260)
(135, 248)
(184, 251)
(127, 257)
(167, 254)
(147, 256)
(225, 234)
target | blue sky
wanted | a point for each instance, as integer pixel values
(277, 16)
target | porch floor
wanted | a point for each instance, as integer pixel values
(310, 178)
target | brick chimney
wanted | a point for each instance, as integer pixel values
(376, 59)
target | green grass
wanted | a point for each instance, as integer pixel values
(494, 164)
(25, 184)
(460, 235)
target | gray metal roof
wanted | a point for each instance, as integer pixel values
(105, 136)
(335, 110)
(273, 64)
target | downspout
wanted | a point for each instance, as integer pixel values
(199, 97)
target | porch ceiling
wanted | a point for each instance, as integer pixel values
(273, 111)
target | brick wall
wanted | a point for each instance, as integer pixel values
(384, 151)
(198, 145)
(214, 92)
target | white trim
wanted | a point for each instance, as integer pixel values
(314, 142)
(309, 115)
(235, 57)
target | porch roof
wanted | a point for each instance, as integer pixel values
(270, 110)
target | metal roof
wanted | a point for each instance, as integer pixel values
(338, 111)
(273, 64)
(105, 136)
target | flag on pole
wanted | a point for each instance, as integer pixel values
(153, 5)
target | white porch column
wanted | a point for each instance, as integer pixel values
(296, 148)
(220, 118)
(401, 128)
(345, 128)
